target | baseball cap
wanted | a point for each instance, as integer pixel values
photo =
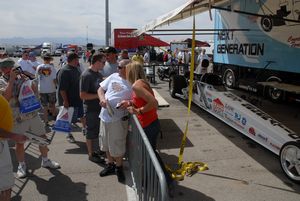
(7, 62)
(32, 54)
(47, 56)
(110, 50)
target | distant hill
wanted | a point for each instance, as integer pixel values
(37, 41)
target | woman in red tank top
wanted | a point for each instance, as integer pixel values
(143, 102)
(144, 105)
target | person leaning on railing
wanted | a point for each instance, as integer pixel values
(144, 105)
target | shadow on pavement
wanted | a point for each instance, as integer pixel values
(182, 193)
(171, 135)
(58, 188)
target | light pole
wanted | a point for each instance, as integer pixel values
(107, 24)
(87, 34)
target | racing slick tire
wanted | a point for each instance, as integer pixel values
(176, 84)
(290, 160)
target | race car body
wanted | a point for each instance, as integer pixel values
(210, 94)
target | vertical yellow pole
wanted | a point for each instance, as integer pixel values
(183, 141)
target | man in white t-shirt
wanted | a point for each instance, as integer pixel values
(34, 62)
(46, 75)
(114, 120)
(26, 65)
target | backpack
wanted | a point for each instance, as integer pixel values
(165, 58)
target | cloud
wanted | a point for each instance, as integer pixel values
(69, 18)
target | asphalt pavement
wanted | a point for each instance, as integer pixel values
(239, 169)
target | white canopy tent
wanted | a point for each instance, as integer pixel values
(186, 10)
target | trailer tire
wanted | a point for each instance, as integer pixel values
(274, 94)
(266, 23)
(176, 84)
(229, 78)
(290, 160)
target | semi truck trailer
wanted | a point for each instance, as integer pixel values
(263, 58)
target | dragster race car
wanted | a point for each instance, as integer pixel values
(210, 94)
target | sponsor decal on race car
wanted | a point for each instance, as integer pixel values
(252, 131)
(218, 107)
(229, 110)
(275, 146)
(265, 116)
(262, 137)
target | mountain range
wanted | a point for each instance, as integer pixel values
(37, 41)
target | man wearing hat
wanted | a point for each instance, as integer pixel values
(34, 62)
(111, 64)
(46, 76)
(10, 84)
(68, 88)
(123, 55)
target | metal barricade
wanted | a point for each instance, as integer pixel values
(148, 177)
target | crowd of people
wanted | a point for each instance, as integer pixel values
(110, 89)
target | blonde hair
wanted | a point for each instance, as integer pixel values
(134, 72)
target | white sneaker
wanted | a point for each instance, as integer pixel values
(21, 173)
(50, 164)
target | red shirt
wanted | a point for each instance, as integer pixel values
(148, 117)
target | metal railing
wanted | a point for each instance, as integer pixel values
(148, 176)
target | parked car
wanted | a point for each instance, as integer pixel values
(58, 52)
(17, 53)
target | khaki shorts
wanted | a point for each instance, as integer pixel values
(113, 137)
(34, 125)
(6, 169)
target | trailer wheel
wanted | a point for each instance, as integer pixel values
(266, 23)
(176, 84)
(275, 95)
(229, 78)
(290, 160)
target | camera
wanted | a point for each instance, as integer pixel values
(18, 70)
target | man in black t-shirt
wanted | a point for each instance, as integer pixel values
(68, 87)
(89, 84)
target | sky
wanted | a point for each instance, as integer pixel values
(86, 18)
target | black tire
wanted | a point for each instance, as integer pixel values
(229, 78)
(275, 95)
(289, 167)
(266, 23)
(176, 84)
(161, 76)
